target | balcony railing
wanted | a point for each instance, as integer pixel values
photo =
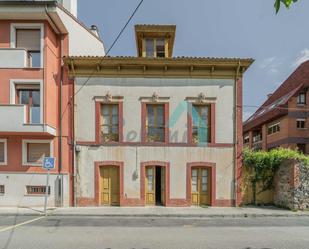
(13, 58)
(13, 119)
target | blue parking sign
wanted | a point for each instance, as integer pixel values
(49, 163)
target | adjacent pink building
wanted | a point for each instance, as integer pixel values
(36, 97)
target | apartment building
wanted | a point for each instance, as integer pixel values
(157, 129)
(282, 120)
(36, 98)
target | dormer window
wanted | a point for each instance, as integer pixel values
(155, 47)
(155, 40)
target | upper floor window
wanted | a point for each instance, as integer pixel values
(273, 128)
(30, 40)
(155, 47)
(29, 95)
(201, 124)
(110, 122)
(301, 99)
(301, 123)
(155, 123)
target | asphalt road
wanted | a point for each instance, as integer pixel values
(25, 232)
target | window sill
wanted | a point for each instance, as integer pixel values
(301, 105)
(31, 165)
(35, 195)
(302, 129)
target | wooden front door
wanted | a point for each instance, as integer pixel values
(150, 187)
(200, 186)
(110, 186)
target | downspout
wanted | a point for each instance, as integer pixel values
(60, 175)
(235, 135)
(74, 142)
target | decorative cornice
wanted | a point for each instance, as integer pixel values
(179, 67)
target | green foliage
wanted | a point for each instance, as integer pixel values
(287, 4)
(261, 166)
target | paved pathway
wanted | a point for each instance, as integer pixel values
(159, 211)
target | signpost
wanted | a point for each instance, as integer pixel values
(48, 164)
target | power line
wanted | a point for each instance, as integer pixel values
(276, 107)
(106, 54)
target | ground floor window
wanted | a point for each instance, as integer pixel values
(34, 151)
(3, 151)
(302, 148)
(2, 190)
(37, 190)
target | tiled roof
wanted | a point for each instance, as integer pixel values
(157, 58)
(297, 80)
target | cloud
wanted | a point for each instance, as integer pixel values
(303, 56)
(270, 65)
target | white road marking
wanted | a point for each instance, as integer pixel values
(20, 224)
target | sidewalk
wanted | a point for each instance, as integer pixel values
(187, 212)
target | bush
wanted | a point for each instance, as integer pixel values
(261, 166)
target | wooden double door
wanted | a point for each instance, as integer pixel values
(155, 188)
(109, 186)
(200, 186)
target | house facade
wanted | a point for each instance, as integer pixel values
(35, 98)
(282, 121)
(157, 129)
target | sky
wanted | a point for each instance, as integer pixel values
(220, 28)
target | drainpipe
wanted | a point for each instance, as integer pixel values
(235, 134)
(60, 175)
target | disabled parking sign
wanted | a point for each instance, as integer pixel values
(49, 163)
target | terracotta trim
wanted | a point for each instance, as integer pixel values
(97, 166)
(212, 168)
(98, 138)
(225, 203)
(212, 123)
(143, 120)
(239, 143)
(143, 123)
(167, 179)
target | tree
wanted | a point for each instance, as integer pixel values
(287, 4)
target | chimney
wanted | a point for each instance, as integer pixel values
(94, 29)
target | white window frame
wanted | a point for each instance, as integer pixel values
(271, 126)
(24, 150)
(5, 151)
(300, 120)
(15, 26)
(14, 82)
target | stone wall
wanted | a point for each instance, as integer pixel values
(292, 186)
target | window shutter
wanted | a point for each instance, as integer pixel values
(28, 39)
(2, 152)
(37, 151)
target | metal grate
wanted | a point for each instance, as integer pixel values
(37, 190)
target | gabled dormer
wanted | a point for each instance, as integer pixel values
(155, 40)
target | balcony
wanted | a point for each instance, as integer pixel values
(13, 120)
(13, 58)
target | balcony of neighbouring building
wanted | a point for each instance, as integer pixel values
(13, 58)
(14, 119)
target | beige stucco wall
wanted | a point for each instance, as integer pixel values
(177, 156)
(219, 91)
(132, 89)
